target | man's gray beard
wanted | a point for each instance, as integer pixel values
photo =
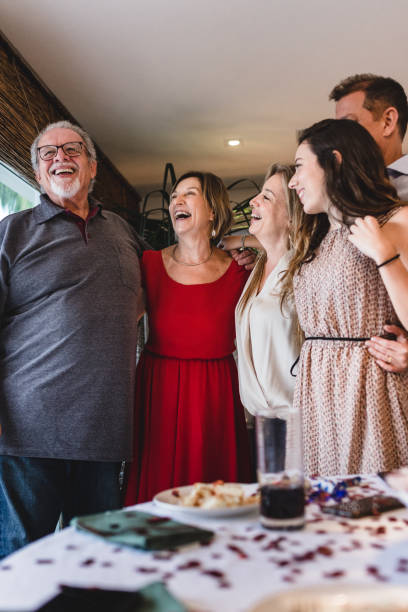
(66, 191)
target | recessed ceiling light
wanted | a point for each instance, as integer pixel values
(233, 142)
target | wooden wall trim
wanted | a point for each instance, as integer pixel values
(26, 107)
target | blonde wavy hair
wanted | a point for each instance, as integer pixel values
(295, 214)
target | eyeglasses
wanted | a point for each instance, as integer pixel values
(72, 149)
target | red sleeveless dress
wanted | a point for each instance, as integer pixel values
(190, 423)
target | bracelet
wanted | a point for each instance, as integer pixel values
(243, 236)
(387, 261)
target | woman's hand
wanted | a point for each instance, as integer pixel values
(367, 235)
(244, 258)
(391, 355)
(388, 247)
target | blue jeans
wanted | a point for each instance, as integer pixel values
(35, 492)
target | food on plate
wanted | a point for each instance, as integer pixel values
(216, 494)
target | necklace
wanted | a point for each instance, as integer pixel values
(184, 263)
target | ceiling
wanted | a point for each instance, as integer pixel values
(158, 81)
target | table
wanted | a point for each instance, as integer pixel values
(242, 565)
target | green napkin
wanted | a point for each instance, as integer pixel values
(140, 530)
(152, 598)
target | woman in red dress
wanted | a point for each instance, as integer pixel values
(190, 423)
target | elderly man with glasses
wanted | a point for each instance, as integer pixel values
(70, 298)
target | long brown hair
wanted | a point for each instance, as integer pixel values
(294, 209)
(356, 186)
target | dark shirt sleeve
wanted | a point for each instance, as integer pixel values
(141, 244)
(4, 272)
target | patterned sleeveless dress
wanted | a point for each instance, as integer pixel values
(355, 414)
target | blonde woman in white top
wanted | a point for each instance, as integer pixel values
(266, 331)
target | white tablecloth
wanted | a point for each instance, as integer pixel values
(242, 565)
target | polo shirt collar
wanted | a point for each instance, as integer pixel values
(47, 210)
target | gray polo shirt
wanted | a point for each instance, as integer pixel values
(68, 330)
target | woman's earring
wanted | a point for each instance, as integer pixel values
(213, 234)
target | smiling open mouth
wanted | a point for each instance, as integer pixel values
(181, 214)
(63, 171)
(256, 217)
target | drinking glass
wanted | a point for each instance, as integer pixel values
(280, 468)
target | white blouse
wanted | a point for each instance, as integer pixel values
(266, 346)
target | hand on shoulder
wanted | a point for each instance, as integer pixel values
(381, 242)
(372, 239)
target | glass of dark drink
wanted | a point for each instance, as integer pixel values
(280, 469)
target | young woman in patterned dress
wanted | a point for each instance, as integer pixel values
(349, 276)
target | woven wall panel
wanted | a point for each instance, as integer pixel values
(26, 106)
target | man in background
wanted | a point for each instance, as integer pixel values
(380, 105)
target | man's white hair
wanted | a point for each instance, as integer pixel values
(67, 125)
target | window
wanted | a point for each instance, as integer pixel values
(15, 193)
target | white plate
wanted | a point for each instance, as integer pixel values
(338, 598)
(170, 503)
